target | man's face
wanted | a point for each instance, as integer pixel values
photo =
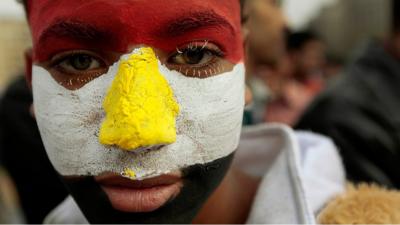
(139, 102)
(310, 59)
(266, 26)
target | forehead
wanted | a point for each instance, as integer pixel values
(139, 21)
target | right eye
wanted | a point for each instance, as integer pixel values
(79, 63)
(74, 69)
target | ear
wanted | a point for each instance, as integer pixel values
(28, 67)
(248, 96)
(245, 34)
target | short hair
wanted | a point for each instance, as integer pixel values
(242, 2)
(297, 40)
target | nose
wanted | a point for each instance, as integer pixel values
(140, 106)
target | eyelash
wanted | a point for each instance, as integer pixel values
(76, 79)
(57, 60)
(195, 44)
(54, 61)
(210, 69)
(72, 80)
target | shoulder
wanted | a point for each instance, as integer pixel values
(301, 172)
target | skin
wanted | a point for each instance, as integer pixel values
(222, 207)
(221, 45)
(303, 82)
(264, 27)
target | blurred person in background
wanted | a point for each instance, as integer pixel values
(264, 29)
(264, 26)
(303, 80)
(277, 97)
(333, 68)
(361, 112)
(307, 53)
(24, 157)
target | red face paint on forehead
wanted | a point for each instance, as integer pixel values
(118, 25)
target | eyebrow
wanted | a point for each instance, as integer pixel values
(193, 21)
(74, 30)
(176, 27)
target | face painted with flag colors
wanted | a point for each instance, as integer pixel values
(139, 102)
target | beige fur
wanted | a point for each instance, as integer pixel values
(364, 204)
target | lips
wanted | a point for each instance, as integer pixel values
(140, 196)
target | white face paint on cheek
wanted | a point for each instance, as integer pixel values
(208, 126)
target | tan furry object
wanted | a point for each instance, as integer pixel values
(364, 204)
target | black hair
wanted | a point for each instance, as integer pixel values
(297, 40)
(396, 15)
(244, 18)
(242, 2)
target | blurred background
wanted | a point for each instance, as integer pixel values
(342, 24)
(14, 39)
(325, 36)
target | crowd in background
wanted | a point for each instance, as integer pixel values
(295, 76)
(284, 90)
(353, 99)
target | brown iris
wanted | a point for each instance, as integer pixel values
(81, 62)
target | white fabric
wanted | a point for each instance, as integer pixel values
(323, 171)
(301, 173)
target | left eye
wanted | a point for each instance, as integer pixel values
(199, 59)
(196, 54)
(193, 56)
(79, 63)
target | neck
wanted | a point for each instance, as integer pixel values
(231, 202)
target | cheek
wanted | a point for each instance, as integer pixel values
(211, 111)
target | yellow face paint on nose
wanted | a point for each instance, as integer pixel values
(140, 106)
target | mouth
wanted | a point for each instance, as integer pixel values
(142, 196)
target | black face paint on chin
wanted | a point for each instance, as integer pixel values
(199, 183)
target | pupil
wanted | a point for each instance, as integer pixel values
(81, 62)
(194, 56)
